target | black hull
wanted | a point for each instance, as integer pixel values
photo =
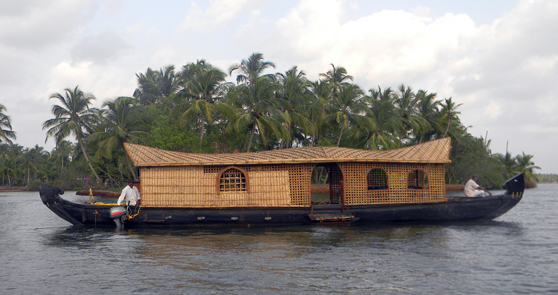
(459, 208)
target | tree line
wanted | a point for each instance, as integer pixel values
(194, 109)
(547, 178)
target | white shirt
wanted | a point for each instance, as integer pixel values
(470, 187)
(130, 194)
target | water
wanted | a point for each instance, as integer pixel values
(516, 253)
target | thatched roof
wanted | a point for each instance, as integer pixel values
(436, 151)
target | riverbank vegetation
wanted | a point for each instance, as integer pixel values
(547, 178)
(194, 109)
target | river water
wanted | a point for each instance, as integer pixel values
(516, 253)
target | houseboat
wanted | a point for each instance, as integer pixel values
(275, 187)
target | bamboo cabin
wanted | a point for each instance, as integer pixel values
(282, 178)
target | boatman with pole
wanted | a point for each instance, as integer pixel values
(472, 189)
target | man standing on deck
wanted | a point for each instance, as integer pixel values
(130, 194)
(472, 189)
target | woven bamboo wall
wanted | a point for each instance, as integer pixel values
(286, 185)
(197, 186)
(357, 192)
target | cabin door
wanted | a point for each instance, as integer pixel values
(327, 185)
(336, 185)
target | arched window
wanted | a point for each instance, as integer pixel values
(377, 179)
(232, 180)
(417, 180)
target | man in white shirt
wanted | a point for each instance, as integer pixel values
(472, 189)
(130, 194)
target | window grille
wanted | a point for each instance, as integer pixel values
(417, 179)
(377, 179)
(232, 180)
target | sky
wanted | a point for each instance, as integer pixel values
(498, 58)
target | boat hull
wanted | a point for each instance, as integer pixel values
(458, 208)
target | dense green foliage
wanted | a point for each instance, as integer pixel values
(195, 110)
(547, 178)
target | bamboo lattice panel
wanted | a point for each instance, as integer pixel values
(357, 190)
(191, 186)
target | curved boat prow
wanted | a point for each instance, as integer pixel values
(49, 192)
(50, 195)
(515, 185)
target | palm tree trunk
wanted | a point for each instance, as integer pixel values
(318, 181)
(286, 143)
(340, 134)
(130, 166)
(201, 136)
(447, 128)
(88, 161)
(110, 177)
(326, 177)
(251, 136)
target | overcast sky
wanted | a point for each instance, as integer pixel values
(496, 57)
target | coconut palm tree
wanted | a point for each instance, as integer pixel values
(336, 77)
(509, 163)
(13, 156)
(427, 109)
(295, 90)
(3, 168)
(382, 111)
(255, 97)
(406, 109)
(72, 116)
(8, 167)
(6, 133)
(168, 81)
(526, 165)
(249, 70)
(348, 108)
(147, 91)
(5, 155)
(125, 122)
(449, 112)
(62, 152)
(32, 160)
(157, 86)
(321, 96)
(259, 110)
(203, 88)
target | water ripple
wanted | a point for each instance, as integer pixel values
(516, 253)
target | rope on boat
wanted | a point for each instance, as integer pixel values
(101, 203)
(132, 216)
(91, 197)
(128, 215)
